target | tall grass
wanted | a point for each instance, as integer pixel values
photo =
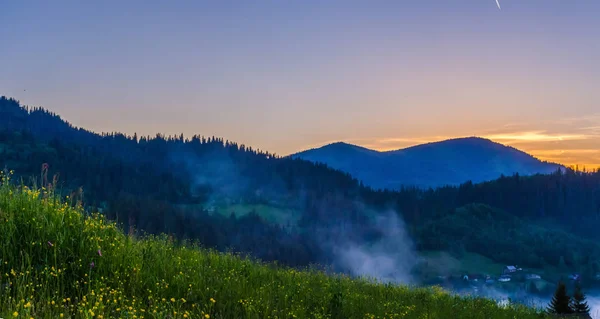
(56, 262)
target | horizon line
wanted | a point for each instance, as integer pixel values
(412, 142)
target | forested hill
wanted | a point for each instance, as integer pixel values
(173, 184)
(199, 164)
(448, 162)
(166, 184)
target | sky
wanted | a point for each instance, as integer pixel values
(284, 76)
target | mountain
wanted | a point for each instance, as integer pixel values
(448, 162)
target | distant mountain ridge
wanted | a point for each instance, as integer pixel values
(448, 162)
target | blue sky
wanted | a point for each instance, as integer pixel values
(287, 75)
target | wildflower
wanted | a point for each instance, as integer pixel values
(99, 253)
(50, 244)
(212, 300)
(206, 316)
(15, 314)
(92, 264)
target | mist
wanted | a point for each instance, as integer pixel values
(593, 300)
(504, 298)
(390, 258)
(215, 171)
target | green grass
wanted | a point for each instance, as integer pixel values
(47, 249)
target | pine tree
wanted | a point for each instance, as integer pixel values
(561, 302)
(579, 305)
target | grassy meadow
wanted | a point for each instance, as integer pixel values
(57, 262)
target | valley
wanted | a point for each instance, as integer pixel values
(300, 214)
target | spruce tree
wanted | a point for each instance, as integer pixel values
(579, 305)
(561, 302)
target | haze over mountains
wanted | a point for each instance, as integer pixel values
(448, 162)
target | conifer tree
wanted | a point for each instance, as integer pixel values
(579, 305)
(561, 302)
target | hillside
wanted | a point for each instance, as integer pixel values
(544, 247)
(56, 262)
(449, 162)
(230, 197)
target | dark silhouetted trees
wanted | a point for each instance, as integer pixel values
(579, 304)
(561, 302)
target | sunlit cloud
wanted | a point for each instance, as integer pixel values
(591, 128)
(577, 120)
(562, 152)
(589, 158)
(534, 136)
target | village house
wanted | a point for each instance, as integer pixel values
(488, 279)
(474, 277)
(511, 269)
(532, 277)
(504, 278)
(574, 277)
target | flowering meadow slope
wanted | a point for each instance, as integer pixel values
(57, 262)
